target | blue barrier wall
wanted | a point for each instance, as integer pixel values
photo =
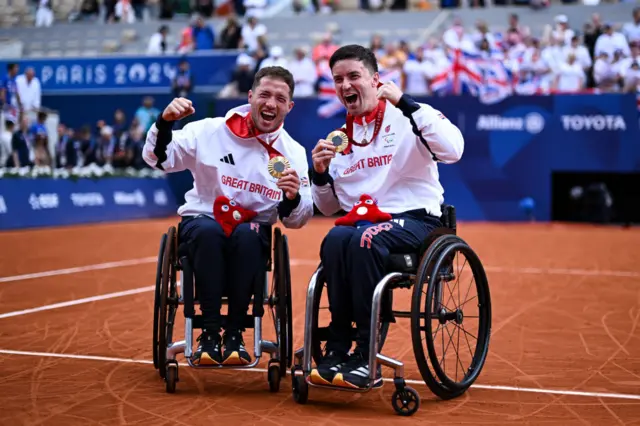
(26, 203)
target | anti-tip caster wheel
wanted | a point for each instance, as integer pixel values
(406, 401)
(171, 376)
(273, 376)
(300, 388)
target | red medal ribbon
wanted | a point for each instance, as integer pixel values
(253, 132)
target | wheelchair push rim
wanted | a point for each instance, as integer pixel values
(168, 300)
(156, 300)
(445, 314)
(280, 302)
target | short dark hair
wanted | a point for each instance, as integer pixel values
(277, 73)
(11, 66)
(357, 52)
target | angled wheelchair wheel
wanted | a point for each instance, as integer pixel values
(280, 302)
(168, 300)
(156, 300)
(322, 318)
(451, 317)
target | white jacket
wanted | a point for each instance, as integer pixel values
(399, 168)
(225, 160)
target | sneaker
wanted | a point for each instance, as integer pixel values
(234, 351)
(208, 351)
(355, 373)
(331, 364)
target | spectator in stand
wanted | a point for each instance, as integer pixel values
(41, 149)
(251, 31)
(44, 14)
(203, 36)
(304, 73)
(158, 43)
(138, 9)
(324, 49)
(9, 96)
(119, 123)
(122, 152)
(631, 77)
(231, 35)
(376, 46)
(124, 12)
(186, 41)
(611, 41)
(29, 90)
(147, 113)
(241, 79)
(105, 147)
(136, 142)
(64, 140)
(603, 75)
(562, 34)
(580, 52)
(418, 72)
(182, 84)
(275, 58)
(109, 10)
(631, 30)
(6, 137)
(21, 152)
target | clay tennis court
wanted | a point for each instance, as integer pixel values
(76, 311)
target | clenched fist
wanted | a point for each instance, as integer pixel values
(390, 92)
(289, 183)
(178, 109)
(322, 154)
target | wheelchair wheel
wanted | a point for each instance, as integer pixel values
(168, 300)
(439, 321)
(321, 334)
(281, 302)
(156, 300)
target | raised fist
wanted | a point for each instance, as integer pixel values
(178, 109)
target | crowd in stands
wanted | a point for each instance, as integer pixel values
(25, 136)
(565, 58)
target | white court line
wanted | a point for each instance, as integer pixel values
(77, 269)
(262, 370)
(311, 262)
(77, 302)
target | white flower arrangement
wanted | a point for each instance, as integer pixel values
(92, 171)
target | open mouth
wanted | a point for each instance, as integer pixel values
(351, 99)
(268, 116)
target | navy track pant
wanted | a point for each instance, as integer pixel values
(353, 260)
(222, 265)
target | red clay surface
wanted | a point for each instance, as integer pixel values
(566, 306)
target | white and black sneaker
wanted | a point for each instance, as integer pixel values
(355, 373)
(331, 364)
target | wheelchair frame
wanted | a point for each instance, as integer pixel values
(441, 245)
(170, 294)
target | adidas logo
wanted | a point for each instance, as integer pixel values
(228, 159)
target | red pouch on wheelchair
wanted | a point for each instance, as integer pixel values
(230, 214)
(364, 212)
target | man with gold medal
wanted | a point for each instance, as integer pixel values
(381, 167)
(248, 173)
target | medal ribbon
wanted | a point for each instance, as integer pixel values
(270, 149)
(382, 105)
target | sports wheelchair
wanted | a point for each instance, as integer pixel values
(428, 274)
(170, 294)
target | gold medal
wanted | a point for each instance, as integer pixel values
(339, 139)
(277, 165)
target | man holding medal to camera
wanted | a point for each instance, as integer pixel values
(248, 172)
(381, 167)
